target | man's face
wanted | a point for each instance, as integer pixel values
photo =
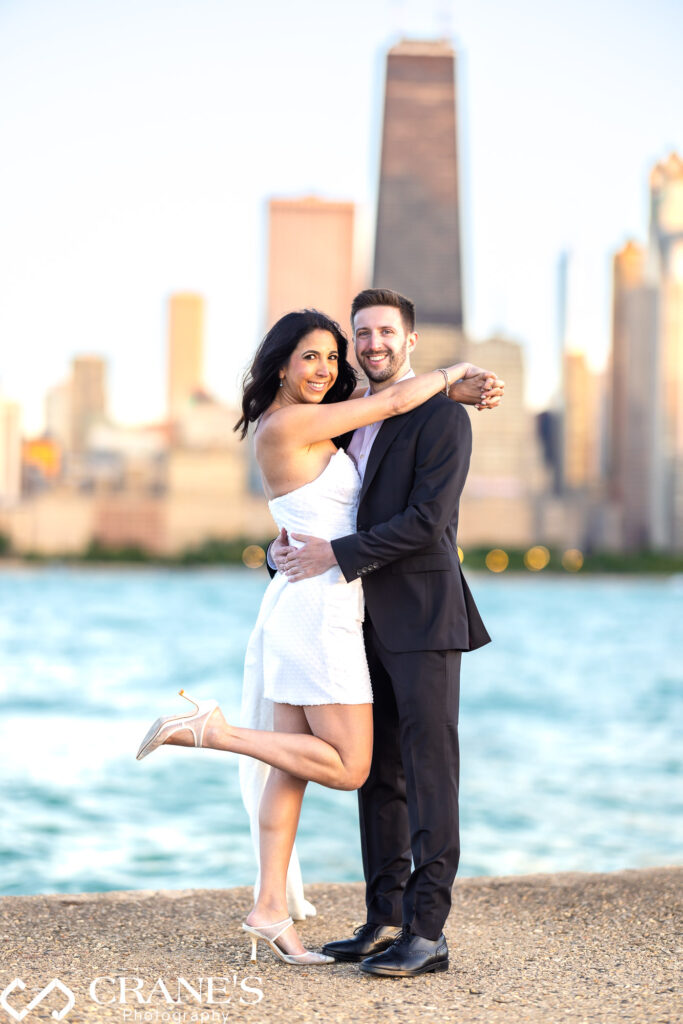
(382, 346)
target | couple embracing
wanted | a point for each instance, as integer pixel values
(352, 672)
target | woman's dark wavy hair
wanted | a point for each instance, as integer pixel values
(261, 381)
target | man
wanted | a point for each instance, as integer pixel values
(419, 617)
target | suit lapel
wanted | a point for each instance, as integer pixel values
(387, 433)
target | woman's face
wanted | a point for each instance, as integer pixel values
(311, 370)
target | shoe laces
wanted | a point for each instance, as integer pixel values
(405, 936)
(363, 928)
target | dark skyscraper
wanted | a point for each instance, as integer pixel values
(417, 246)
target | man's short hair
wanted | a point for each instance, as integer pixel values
(386, 297)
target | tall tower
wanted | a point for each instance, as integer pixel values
(310, 257)
(580, 451)
(58, 413)
(633, 391)
(666, 245)
(88, 398)
(417, 245)
(10, 452)
(185, 349)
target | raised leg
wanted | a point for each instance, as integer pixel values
(336, 752)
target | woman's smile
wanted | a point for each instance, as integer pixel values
(311, 370)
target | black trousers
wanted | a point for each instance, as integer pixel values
(409, 803)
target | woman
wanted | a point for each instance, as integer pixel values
(306, 650)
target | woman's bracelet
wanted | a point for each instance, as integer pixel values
(445, 377)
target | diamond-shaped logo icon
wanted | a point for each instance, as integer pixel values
(54, 984)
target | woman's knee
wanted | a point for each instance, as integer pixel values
(355, 774)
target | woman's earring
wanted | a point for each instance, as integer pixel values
(282, 381)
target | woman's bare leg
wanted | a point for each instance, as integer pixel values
(337, 755)
(328, 743)
(279, 812)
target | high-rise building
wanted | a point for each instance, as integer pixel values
(58, 413)
(580, 424)
(666, 253)
(88, 398)
(417, 244)
(506, 476)
(551, 421)
(311, 257)
(633, 389)
(10, 452)
(185, 349)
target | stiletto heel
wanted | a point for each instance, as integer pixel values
(307, 959)
(165, 727)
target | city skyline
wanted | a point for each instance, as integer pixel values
(126, 182)
(601, 467)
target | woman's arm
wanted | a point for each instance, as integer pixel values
(301, 425)
(479, 388)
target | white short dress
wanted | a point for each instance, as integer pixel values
(307, 645)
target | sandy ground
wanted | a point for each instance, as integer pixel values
(543, 948)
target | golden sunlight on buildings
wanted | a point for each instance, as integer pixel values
(666, 243)
(44, 456)
(88, 398)
(311, 258)
(10, 453)
(185, 348)
(581, 453)
(633, 385)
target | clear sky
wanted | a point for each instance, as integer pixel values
(141, 139)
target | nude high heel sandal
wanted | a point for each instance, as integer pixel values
(165, 727)
(270, 933)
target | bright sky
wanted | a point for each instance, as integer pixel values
(141, 139)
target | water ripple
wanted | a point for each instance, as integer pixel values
(570, 731)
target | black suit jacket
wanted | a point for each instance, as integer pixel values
(405, 548)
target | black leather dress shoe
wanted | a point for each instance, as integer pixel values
(409, 955)
(368, 939)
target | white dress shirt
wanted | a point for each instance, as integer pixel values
(363, 438)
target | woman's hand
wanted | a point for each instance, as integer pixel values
(478, 387)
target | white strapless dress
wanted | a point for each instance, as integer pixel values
(307, 644)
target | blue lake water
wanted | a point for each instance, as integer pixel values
(571, 727)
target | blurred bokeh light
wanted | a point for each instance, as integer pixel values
(253, 556)
(497, 560)
(536, 558)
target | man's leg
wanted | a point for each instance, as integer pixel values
(426, 685)
(383, 811)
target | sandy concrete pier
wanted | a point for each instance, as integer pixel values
(573, 947)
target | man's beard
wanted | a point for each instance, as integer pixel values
(394, 362)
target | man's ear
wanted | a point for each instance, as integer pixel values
(412, 341)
